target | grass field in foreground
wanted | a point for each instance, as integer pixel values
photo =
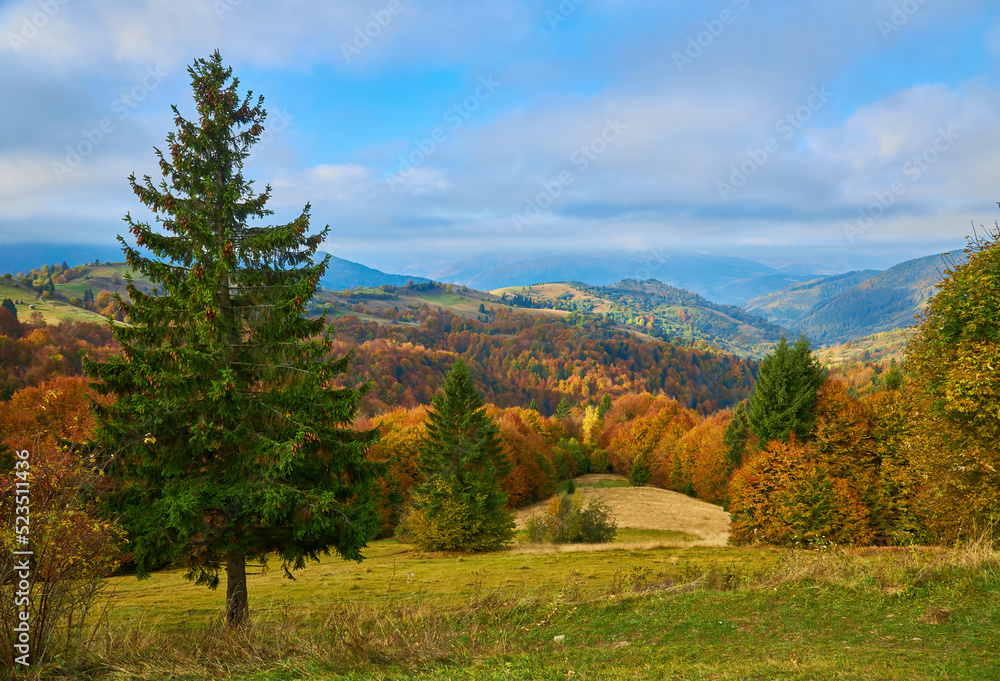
(689, 613)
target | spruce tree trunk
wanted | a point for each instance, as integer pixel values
(237, 608)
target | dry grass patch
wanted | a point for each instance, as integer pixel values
(649, 508)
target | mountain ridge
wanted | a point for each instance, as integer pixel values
(830, 313)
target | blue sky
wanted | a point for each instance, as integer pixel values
(836, 133)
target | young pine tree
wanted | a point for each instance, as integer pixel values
(226, 438)
(782, 402)
(563, 410)
(736, 437)
(461, 504)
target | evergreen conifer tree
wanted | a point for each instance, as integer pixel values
(782, 402)
(10, 306)
(735, 439)
(563, 410)
(461, 503)
(640, 475)
(226, 439)
(605, 406)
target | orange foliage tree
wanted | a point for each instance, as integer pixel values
(400, 432)
(531, 477)
(782, 496)
(701, 460)
(73, 548)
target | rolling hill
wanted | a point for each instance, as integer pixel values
(844, 307)
(647, 508)
(829, 310)
(23, 256)
(725, 279)
(659, 311)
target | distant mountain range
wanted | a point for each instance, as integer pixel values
(657, 293)
(843, 307)
(21, 257)
(343, 274)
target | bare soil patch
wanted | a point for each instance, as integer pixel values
(649, 508)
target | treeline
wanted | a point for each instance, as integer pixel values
(681, 449)
(854, 478)
(31, 355)
(892, 460)
(667, 312)
(517, 360)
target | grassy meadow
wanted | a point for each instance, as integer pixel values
(649, 606)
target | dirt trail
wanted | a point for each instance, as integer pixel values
(650, 508)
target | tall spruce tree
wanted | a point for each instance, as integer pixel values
(227, 438)
(461, 503)
(605, 406)
(782, 402)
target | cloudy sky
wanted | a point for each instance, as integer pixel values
(842, 133)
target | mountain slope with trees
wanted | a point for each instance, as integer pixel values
(659, 311)
(828, 313)
(517, 358)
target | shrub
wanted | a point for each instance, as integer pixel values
(640, 475)
(598, 460)
(452, 527)
(567, 522)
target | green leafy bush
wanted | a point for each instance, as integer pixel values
(567, 522)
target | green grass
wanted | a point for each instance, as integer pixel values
(691, 613)
(596, 484)
(53, 310)
(410, 577)
(447, 299)
(625, 538)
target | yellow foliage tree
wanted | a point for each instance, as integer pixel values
(955, 363)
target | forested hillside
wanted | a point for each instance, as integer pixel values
(829, 313)
(517, 358)
(668, 312)
(789, 305)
